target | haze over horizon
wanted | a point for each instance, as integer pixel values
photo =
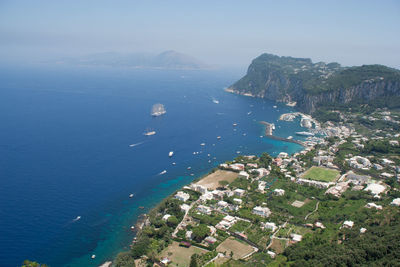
(220, 33)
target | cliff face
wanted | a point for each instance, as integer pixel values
(310, 84)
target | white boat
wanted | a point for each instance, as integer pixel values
(248, 113)
(218, 137)
(174, 163)
(77, 218)
(203, 144)
(305, 133)
(171, 153)
(290, 137)
(131, 195)
(149, 133)
(215, 101)
(235, 124)
(158, 110)
(93, 256)
(274, 106)
(163, 172)
(189, 168)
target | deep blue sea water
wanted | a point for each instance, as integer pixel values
(64, 152)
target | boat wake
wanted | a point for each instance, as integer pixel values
(133, 145)
(163, 172)
(76, 219)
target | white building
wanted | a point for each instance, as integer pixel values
(204, 209)
(238, 201)
(239, 192)
(279, 192)
(262, 211)
(375, 189)
(166, 217)
(348, 224)
(222, 204)
(185, 207)
(373, 205)
(269, 226)
(182, 196)
(296, 237)
(396, 202)
(243, 174)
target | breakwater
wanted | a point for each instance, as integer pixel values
(269, 128)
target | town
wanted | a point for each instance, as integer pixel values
(255, 209)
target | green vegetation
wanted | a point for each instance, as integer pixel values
(321, 174)
(28, 263)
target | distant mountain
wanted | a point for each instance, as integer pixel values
(166, 60)
(312, 85)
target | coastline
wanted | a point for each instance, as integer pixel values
(143, 219)
(269, 127)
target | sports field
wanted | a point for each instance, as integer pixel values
(321, 174)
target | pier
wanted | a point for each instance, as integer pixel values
(269, 128)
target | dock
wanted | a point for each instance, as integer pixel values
(269, 128)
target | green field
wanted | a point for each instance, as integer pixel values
(321, 174)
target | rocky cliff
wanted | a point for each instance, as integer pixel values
(311, 85)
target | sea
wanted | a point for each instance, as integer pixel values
(72, 150)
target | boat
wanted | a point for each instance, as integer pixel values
(171, 153)
(290, 137)
(131, 195)
(248, 113)
(215, 101)
(141, 207)
(149, 133)
(158, 110)
(218, 137)
(132, 227)
(163, 172)
(189, 168)
(93, 256)
(77, 218)
(235, 124)
(173, 163)
(203, 144)
(274, 106)
(305, 133)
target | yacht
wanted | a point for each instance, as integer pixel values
(149, 133)
(158, 110)
(171, 153)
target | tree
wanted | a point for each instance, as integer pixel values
(193, 261)
(124, 259)
(200, 232)
(172, 221)
(28, 263)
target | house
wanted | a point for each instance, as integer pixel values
(198, 188)
(239, 192)
(166, 217)
(218, 194)
(359, 162)
(363, 230)
(283, 155)
(395, 202)
(269, 226)
(387, 162)
(279, 192)
(237, 167)
(373, 205)
(348, 224)
(375, 189)
(261, 185)
(182, 196)
(357, 179)
(243, 174)
(319, 225)
(296, 238)
(237, 201)
(261, 211)
(185, 207)
(210, 239)
(226, 222)
(222, 204)
(261, 172)
(188, 235)
(252, 165)
(204, 209)
(271, 254)
(206, 196)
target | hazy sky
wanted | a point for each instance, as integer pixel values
(217, 32)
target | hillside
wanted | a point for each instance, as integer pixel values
(311, 84)
(165, 60)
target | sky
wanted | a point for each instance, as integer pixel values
(225, 33)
